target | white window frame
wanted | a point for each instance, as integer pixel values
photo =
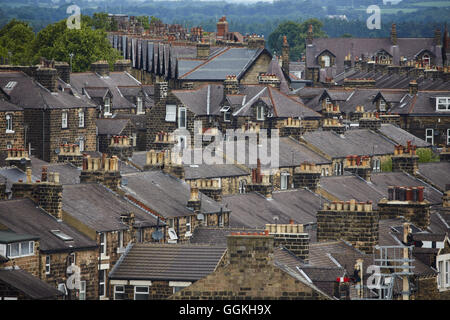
(139, 105)
(284, 176)
(326, 61)
(134, 139)
(259, 112)
(376, 165)
(443, 266)
(48, 262)
(81, 119)
(148, 292)
(382, 105)
(188, 225)
(242, 186)
(103, 243)
(442, 103)
(426, 59)
(82, 293)
(180, 118)
(118, 292)
(171, 113)
(9, 123)
(19, 255)
(427, 137)
(448, 136)
(120, 238)
(220, 220)
(64, 118)
(81, 143)
(102, 282)
(107, 106)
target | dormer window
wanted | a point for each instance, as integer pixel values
(139, 106)
(443, 266)
(107, 106)
(443, 104)
(226, 113)
(20, 249)
(382, 105)
(326, 60)
(426, 60)
(260, 113)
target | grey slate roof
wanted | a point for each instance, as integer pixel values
(353, 142)
(253, 210)
(165, 194)
(180, 262)
(216, 235)
(38, 97)
(22, 216)
(110, 126)
(437, 173)
(28, 284)
(8, 106)
(400, 136)
(100, 209)
(68, 173)
(10, 237)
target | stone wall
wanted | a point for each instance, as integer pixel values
(15, 138)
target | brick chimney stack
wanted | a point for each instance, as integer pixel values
(161, 91)
(292, 237)
(310, 35)
(222, 27)
(18, 157)
(47, 77)
(101, 170)
(445, 154)
(203, 50)
(405, 159)
(359, 166)
(231, 85)
(63, 70)
(250, 250)
(394, 34)
(413, 87)
(370, 120)
(194, 203)
(307, 176)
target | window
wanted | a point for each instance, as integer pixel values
(226, 113)
(171, 113)
(9, 123)
(107, 106)
(133, 139)
(170, 223)
(119, 293)
(120, 238)
(426, 60)
(220, 220)
(71, 258)
(376, 167)
(382, 105)
(429, 135)
(323, 172)
(443, 104)
(284, 180)
(260, 113)
(140, 293)
(338, 169)
(182, 142)
(81, 144)
(64, 119)
(81, 119)
(101, 283)
(10, 85)
(326, 61)
(443, 264)
(448, 136)
(82, 294)
(20, 249)
(242, 186)
(182, 118)
(139, 106)
(8, 145)
(47, 265)
(188, 224)
(103, 243)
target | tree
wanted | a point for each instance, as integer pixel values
(296, 34)
(16, 38)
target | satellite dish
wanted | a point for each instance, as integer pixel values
(57, 151)
(157, 235)
(23, 161)
(124, 181)
(200, 216)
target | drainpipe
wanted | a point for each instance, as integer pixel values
(405, 282)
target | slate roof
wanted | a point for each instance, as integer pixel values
(437, 173)
(100, 209)
(22, 216)
(37, 96)
(180, 262)
(216, 235)
(400, 136)
(28, 284)
(350, 187)
(165, 194)
(110, 126)
(253, 210)
(8, 106)
(138, 120)
(352, 142)
(68, 173)
(10, 237)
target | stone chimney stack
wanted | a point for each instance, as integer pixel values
(101, 170)
(203, 50)
(445, 154)
(18, 157)
(101, 67)
(285, 56)
(121, 147)
(413, 87)
(370, 120)
(250, 250)
(70, 153)
(260, 182)
(394, 34)
(407, 202)
(359, 166)
(355, 222)
(437, 37)
(122, 65)
(446, 197)
(292, 237)
(405, 159)
(231, 85)
(63, 70)
(47, 77)
(310, 35)
(307, 176)
(161, 91)
(270, 80)
(194, 203)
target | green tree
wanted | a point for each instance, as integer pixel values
(296, 34)
(16, 39)
(144, 20)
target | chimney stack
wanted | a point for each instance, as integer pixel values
(101, 170)
(194, 202)
(231, 85)
(63, 70)
(359, 166)
(203, 50)
(413, 87)
(437, 37)
(101, 67)
(47, 77)
(405, 159)
(446, 197)
(285, 56)
(292, 237)
(394, 34)
(307, 176)
(250, 250)
(161, 91)
(309, 35)
(122, 65)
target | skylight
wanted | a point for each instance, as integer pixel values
(61, 235)
(10, 85)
